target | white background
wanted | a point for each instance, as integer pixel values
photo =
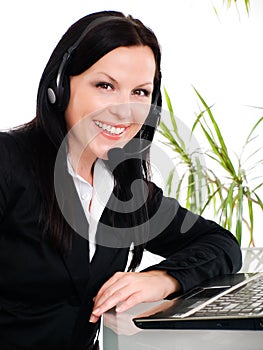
(221, 56)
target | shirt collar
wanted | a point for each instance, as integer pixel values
(103, 183)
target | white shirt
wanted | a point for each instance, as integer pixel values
(93, 199)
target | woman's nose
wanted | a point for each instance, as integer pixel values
(122, 107)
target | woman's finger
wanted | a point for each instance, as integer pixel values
(117, 277)
(116, 283)
(106, 303)
(131, 301)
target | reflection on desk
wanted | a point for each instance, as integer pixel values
(120, 333)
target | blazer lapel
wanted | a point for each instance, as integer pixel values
(77, 260)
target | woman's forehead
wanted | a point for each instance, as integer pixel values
(137, 61)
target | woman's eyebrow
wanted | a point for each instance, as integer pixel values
(108, 76)
(147, 83)
(115, 81)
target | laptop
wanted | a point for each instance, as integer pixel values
(229, 302)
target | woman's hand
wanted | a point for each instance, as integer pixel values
(131, 288)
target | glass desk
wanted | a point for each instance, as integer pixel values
(119, 333)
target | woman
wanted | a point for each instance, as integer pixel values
(63, 251)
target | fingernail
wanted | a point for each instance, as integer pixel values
(96, 311)
(93, 319)
(118, 309)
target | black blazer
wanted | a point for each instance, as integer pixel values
(45, 297)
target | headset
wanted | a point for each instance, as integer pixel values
(56, 93)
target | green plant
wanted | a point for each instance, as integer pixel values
(229, 3)
(227, 184)
(193, 176)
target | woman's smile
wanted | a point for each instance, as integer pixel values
(111, 130)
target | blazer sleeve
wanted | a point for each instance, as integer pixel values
(194, 248)
(5, 176)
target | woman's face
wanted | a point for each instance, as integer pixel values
(110, 101)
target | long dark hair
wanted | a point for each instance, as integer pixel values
(50, 121)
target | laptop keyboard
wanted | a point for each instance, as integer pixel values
(248, 300)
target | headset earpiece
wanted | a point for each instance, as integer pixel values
(60, 98)
(51, 96)
(56, 93)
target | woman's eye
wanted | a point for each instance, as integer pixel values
(105, 86)
(141, 92)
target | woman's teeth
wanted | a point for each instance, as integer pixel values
(109, 128)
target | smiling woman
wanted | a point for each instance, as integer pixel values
(76, 195)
